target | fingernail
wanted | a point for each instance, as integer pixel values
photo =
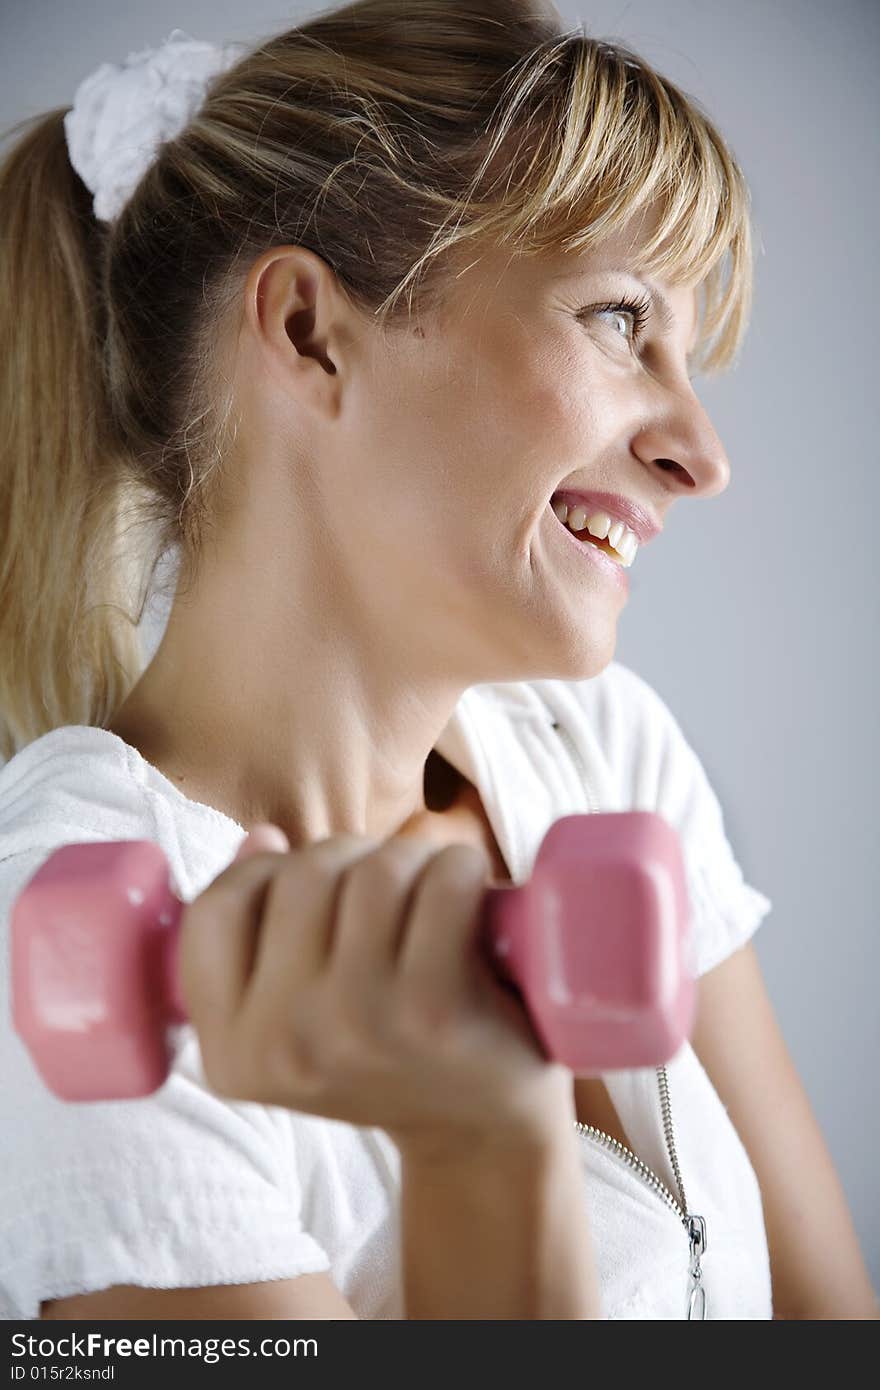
(262, 838)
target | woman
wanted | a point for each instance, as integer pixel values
(403, 310)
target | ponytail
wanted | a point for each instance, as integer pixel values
(67, 650)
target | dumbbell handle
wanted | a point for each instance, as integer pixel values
(500, 934)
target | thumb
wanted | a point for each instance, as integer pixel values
(262, 838)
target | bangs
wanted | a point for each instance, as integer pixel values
(585, 136)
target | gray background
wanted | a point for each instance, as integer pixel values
(756, 616)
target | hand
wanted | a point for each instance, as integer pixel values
(344, 979)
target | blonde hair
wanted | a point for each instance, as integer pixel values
(394, 141)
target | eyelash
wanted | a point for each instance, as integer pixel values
(639, 308)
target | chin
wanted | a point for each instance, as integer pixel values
(562, 656)
(579, 668)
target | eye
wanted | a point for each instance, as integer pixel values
(638, 309)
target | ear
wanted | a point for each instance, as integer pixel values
(294, 314)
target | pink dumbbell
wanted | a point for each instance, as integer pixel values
(596, 943)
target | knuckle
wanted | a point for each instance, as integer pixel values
(295, 1067)
(391, 866)
(290, 1062)
(322, 863)
(220, 900)
(464, 859)
(262, 1058)
(324, 1049)
(286, 881)
(337, 852)
(240, 873)
(297, 880)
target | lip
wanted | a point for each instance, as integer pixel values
(636, 517)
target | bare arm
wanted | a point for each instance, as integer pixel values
(304, 1296)
(500, 1232)
(816, 1264)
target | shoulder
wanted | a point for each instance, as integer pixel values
(83, 783)
(624, 730)
(654, 765)
(73, 783)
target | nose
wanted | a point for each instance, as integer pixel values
(681, 443)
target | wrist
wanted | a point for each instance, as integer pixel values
(532, 1138)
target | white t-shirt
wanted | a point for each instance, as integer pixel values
(184, 1188)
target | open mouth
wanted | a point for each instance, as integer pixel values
(584, 536)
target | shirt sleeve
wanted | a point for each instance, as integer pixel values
(178, 1189)
(667, 775)
(630, 733)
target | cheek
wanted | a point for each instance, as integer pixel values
(547, 401)
(503, 411)
(554, 429)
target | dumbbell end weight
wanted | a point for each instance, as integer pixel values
(598, 942)
(94, 978)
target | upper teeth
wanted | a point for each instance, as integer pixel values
(602, 526)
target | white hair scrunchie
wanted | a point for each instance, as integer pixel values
(121, 115)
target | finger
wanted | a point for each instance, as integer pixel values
(234, 943)
(436, 952)
(298, 917)
(218, 948)
(219, 930)
(260, 837)
(371, 913)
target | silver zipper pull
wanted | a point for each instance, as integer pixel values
(696, 1292)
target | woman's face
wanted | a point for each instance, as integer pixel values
(431, 485)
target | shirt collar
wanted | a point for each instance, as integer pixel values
(503, 738)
